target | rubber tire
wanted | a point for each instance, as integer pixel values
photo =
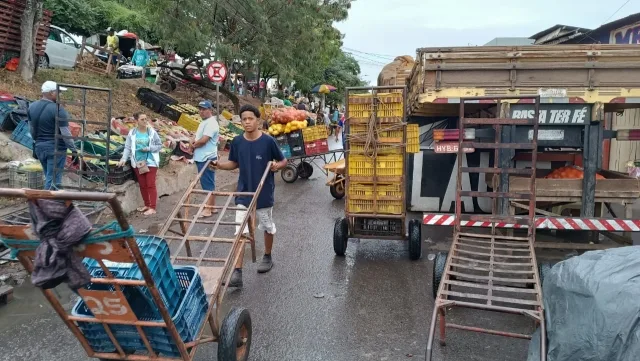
(165, 87)
(438, 271)
(173, 85)
(43, 64)
(340, 236)
(415, 240)
(337, 189)
(289, 174)
(305, 170)
(227, 344)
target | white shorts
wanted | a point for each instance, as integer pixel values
(264, 218)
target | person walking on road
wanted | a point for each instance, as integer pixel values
(205, 148)
(143, 147)
(42, 123)
(251, 152)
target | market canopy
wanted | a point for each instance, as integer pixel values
(323, 89)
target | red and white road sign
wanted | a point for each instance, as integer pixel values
(216, 71)
(552, 223)
(450, 147)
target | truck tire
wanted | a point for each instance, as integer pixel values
(415, 240)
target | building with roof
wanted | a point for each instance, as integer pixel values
(622, 31)
(512, 41)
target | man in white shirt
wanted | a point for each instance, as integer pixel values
(206, 149)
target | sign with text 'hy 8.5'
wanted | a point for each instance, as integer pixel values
(559, 114)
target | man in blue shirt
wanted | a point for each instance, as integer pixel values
(205, 147)
(42, 123)
(252, 152)
(141, 58)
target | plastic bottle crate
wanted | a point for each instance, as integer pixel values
(297, 151)
(155, 252)
(25, 178)
(384, 133)
(286, 150)
(22, 135)
(282, 140)
(188, 319)
(413, 138)
(391, 165)
(119, 175)
(188, 123)
(100, 148)
(294, 139)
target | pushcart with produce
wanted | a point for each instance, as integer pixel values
(378, 140)
(305, 147)
(142, 302)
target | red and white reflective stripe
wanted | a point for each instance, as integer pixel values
(554, 223)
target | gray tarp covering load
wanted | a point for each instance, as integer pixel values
(592, 308)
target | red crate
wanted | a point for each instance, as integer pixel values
(310, 148)
(322, 146)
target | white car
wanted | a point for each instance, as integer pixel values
(61, 50)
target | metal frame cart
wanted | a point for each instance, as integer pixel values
(377, 117)
(110, 306)
(302, 166)
(491, 272)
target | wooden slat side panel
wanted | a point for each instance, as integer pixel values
(10, 19)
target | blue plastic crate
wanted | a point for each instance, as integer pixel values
(286, 150)
(190, 316)
(22, 135)
(155, 252)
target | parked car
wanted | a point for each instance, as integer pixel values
(61, 50)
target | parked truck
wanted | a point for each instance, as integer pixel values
(581, 87)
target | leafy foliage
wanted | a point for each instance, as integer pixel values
(293, 40)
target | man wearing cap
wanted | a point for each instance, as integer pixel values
(42, 123)
(205, 149)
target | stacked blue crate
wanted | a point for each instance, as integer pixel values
(22, 135)
(155, 252)
(188, 318)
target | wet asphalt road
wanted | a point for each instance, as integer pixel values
(373, 304)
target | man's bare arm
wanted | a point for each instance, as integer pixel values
(225, 165)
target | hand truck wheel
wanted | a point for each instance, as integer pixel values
(289, 173)
(340, 236)
(415, 239)
(438, 271)
(235, 336)
(165, 87)
(305, 170)
(337, 188)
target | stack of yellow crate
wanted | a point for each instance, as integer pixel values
(376, 161)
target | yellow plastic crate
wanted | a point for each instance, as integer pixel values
(384, 133)
(377, 207)
(357, 147)
(188, 123)
(311, 134)
(391, 165)
(389, 107)
(413, 138)
(380, 191)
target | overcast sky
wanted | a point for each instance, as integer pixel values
(378, 30)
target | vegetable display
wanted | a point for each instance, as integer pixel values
(287, 120)
(570, 172)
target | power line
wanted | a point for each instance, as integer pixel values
(372, 61)
(382, 56)
(604, 22)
